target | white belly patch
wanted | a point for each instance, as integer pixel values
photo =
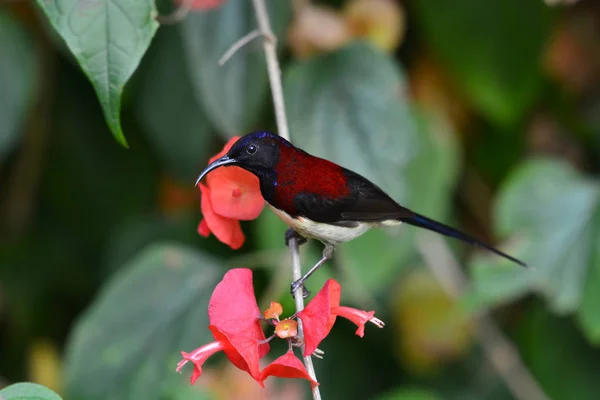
(322, 231)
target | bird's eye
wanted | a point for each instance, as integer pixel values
(251, 149)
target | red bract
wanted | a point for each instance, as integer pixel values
(320, 314)
(235, 324)
(287, 366)
(202, 4)
(227, 230)
(231, 194)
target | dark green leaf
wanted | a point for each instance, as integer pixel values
(234, 93)
(18, 79)
(351, 107)
(89, 183)
(108, 38)
(136, 232)
(409, 394)
(27, 391)
(553, 212)
(188, 392)
(128, 342)
(492, 48)
(565, 366)
(175, 123)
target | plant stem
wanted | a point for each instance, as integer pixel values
(274, 72)
(297, 274)
(270, 46)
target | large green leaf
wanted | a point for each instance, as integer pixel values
(351, 107)
(18, 79)
(171, 115)
(27, 391)
(553, 211)
(127, 344)
(108, 38)
(493, 48)
(233, 94)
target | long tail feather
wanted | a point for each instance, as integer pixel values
(427, 223)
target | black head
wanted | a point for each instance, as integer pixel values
(257, 152)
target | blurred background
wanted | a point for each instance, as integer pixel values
(484, 114)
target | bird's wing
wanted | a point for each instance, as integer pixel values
(364, 203)
(372, 204)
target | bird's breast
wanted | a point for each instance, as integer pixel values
(329, 233)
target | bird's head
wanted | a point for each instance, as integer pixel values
(257, 152)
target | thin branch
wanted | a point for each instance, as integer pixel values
(238, 45)
(274, 72)
(273, 69)
(297, 274)
(501, 353)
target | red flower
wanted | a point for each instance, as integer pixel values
(320, 314)
(231, 194)
(235, 324)
(202, 4)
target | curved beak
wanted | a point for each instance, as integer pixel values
(225, 160)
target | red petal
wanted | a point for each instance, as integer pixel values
(198, 357)
(235, 193)
(317, 318)
(203, 4)
(226, 230)
(359, 317)
(287, 366)
(242, 351)
(234, 314)
(226, 148)
(203, 229)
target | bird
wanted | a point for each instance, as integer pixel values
(319, 199)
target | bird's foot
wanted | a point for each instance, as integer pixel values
(296, 285)
(291, 234)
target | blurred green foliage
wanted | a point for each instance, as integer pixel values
(483, 116)
(28, 391)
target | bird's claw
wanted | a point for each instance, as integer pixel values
(296, 285)
(291, 234)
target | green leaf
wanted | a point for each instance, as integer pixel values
(136, 232)
(174, 121)
(351, 107)
(18, 79)
(433, 173)
(110, 183)
(234, 93)
(552, 210)
(108, 39)
(492, 48)
(409, 394)
(588, 315)
(27, 391)
(373, 249)
(127, 344)
(565, 366)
